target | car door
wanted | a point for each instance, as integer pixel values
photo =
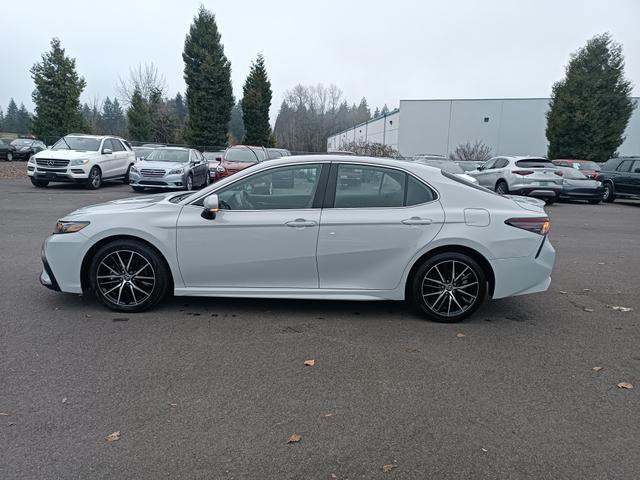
(262, 237)
(484, 172)
(623, 179)
(634, 183)
(496, 172)
(120, 157)
(371, 229)
(107, 161)
(199, 167)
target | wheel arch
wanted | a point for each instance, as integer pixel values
(501, 180)
(476, 255)
(86, 261)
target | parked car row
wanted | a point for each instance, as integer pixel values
(20, 148)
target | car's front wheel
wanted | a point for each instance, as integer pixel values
(136, 188)
(502, 188)
(189, 182)
(125, 180)
(128, 276)
(39, 183)
(95, 179)
(608, 195)
(449, 287)
(9, 156)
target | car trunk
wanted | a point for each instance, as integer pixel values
(538, 172)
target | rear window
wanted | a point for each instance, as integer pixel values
(535, 163)
(243, 155)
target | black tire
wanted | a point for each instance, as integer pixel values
(550, 200)
(502, 188)
(105, 264)
(125, 180)
(609, 194)
(38, 182)
(594, 202)
(189, 182)
(137, 188)
(472, 283)
(94, 181)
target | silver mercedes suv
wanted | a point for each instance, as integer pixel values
(530, 176)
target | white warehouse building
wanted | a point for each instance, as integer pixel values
(513, 126)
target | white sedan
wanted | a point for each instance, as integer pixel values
(312, 227)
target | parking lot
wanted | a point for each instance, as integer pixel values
(213, 388)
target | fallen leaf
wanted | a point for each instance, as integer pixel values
(388, 467)
(173, 404)
(485, 450)
(4, 414)
(89, 316)
(333, 476)
(618, 308)
(310, 363)
(563, 292)
(597, 369)
(600, 263)
(460, 335)
(586, 289)
(625, 385)
(113, 437)
(329, 414)
(588, 309)
(294, 438)
(64, 400)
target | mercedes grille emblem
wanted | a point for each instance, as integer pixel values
(51, 163)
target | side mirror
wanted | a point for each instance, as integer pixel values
(480, 168)
(637, 170)
(218, 159)
(211, 207)
(107, 151)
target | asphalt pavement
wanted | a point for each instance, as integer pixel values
(214, 388)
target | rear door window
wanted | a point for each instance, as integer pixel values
(117, 146)
(625, 166)
(636, 167)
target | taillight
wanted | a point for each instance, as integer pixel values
(539, 225)
(558, 172)
(522, 172)
(597, 176)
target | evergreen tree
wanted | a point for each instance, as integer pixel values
(385, 110)
(376, 114)
(256, 102)
(590, 108)
(57, 94)
(139, 118)
(207, 73)
(112, 119)
(11, 120)
(163, 123)
(24, 120)
(363, 113)
(236, 124)
(1, 120)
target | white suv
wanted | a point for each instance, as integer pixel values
(87, 159)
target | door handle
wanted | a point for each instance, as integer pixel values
(417, 221)
(301, 222)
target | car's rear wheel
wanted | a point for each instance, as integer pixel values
(550, 200)
(137, 188)
(125, 180)
(39, 183)
(608, 195)
(502, 188)
(95, 179)
(449, 287)
(128, 276)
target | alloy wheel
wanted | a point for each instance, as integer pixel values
(10, 157)
(189, 183)
(501, 188)
(125, 278)
(450, 288)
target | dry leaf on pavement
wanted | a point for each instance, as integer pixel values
(460, 335)
(388, 467)
(618, 308)
(310, 362)
(113, 437)
(625, 385)
(588, 310)
(294, 438)
(597, 369)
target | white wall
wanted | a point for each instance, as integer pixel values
(513, 127)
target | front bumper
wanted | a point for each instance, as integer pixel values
(75, 174)
(46, 276)
(166, 181)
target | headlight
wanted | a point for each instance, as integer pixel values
(176, 171)
(79, 161)
(69, 227)
(32, 160)
(134, 169)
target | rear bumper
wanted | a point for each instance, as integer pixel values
(523, 275)
(537, 192)
(582, 193)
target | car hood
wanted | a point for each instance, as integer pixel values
(66, 154)
(236, 165)
(122, 205)
(160, 165)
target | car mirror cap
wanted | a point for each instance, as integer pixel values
(107, 151)
(210, 207)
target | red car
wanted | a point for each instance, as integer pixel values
(587, 167)
(238, 158)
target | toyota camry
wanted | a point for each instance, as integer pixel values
(290, 229)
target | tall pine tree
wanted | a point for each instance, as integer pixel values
(590, 108)
(256, 102)
(57, 94)
(11, 120)
(207, 73)
(139, 118)
(236, 124)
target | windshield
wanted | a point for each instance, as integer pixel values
(86, 144)
(212, 155)
(445, 165)
(573, 174)
(22, 142)
(168, 155)
(240, 155)
(142, 151)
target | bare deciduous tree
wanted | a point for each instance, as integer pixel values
(477, 151)
(370, 149)
(145, 78)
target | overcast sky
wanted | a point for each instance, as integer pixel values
(383, 50)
